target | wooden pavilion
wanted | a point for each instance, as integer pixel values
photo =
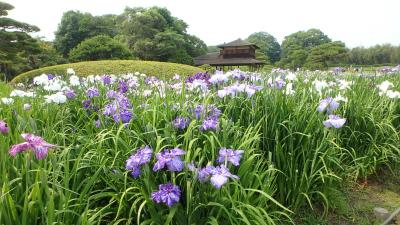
(233, 54)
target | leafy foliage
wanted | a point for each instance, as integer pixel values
(325, 55)
(211, 49)
(154, 34)
(4, 8)
(375, 55)
(269, 46)
(150, 34)
(99, 47)
(76, 26)
(297, 46)
(16, 44)
(47, 55)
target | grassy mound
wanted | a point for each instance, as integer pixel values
(160, 69)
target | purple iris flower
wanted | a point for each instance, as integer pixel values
(92, 92)
(328, 104)
(97, 123)
(181, 122)
(116, 117)
(338, 70)
(168, 194)
(170, 159)
(119, 109)
(334, 121)
(151, 80)
(111, 94)
(279, 83)
(39, 146)
(110, 109)
(125, 116)
(199, 76)
(210, 112)
(213, 111)
(217, 175)
(219, 77)
(123, 87)
(220, 176)
(238, 74)
(251, 90)
(86, 103)
(70, 94)
(123, 102)
(198, 111)
(50, 76)
(257, 88)
(3, 127)
(141, 157)
(205, 173)
(210, 123)
(106, 79)
(230, 155)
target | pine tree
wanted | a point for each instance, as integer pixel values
(16, 44)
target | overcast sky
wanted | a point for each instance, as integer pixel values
(355, 22)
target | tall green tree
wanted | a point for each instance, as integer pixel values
(154, 34)
(325, 55)
(46, 55)
(295, 58)
(77, 26)
(195, 46)
(297, 46)
(269, 46)
(16, 44)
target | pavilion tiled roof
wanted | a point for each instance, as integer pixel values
(237, 43)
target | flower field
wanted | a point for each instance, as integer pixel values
(223, 148)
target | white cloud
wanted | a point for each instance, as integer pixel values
(355, 22)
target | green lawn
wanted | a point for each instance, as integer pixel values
(5, 89)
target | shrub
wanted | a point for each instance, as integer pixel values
(99, 47)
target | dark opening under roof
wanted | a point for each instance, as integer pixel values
(214, 59)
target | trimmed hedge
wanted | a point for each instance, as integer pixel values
(159, 69)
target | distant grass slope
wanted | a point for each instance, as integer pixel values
(159, 69)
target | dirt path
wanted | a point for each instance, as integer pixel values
(355, 204)
(381, 191)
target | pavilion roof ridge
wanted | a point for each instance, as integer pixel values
(236, 43)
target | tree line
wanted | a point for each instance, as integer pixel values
(138, 33)
(154, 34)
(312, 49)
